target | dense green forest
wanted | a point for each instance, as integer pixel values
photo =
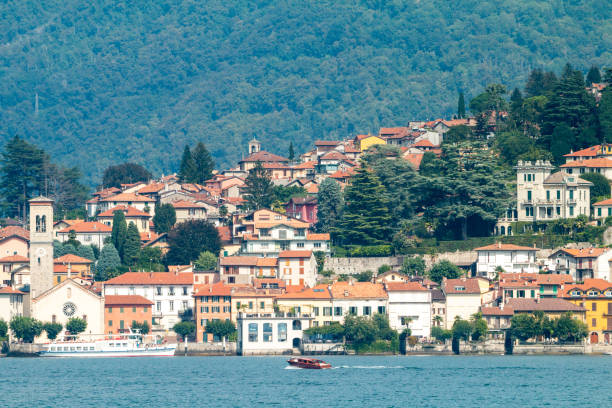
(102, 82)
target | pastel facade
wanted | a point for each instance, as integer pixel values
(120, 311)
(509, 257)
(258, 334)
(464, 297)
(358, 299)
(583, 263)
(212, 302)
(595, 295)
(315, 302)
(11, 303)
(297, 268)
(140, 218)
(87, 233)
(409, 306)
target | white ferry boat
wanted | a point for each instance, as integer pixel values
(122, 345)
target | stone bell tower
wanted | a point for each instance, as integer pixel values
(254, 146)
(41, 245)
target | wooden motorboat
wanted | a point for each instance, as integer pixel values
(303, 362)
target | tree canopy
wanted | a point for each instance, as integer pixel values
(124, 173)
(187, 240)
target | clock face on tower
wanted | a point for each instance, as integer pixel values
(69, 309)
(41, 252)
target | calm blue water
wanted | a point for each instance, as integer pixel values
(448, 381)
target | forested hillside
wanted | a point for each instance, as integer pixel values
(136, 81)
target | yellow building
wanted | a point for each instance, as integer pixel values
(73, 265)
(252, 301)
(364, 142)
(315, 302)
(595, 295)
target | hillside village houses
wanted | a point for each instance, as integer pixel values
(509, 257)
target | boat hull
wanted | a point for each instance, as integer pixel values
(158, 352)
(314, 365)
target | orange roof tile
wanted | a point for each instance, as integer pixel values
(358, 290)
(470, 286)
(423, 143)
(327, 142)
(601, 285)
(263, 156)
(238, 260)
(590, 163)
(312, 189)
(496, 311)
(14, 259)
(604, 202)
(305, 165)
(267, 262)
(317, 292)
(152, 278)
(126, 300)
(414, 158)
(225, 233)
(588, 152)
(318, 237)
(14, 231)
(505, 247)
(186, 204)
(333, 155)
(148, 236)
(585, 252)
(7, 290)
(405, 286)
(128, 210)
(215, 289)
(70, 258)
(88, 226)
(128, 197)
(295, 254)
(151, 188)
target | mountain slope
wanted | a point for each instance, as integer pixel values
(133, 82)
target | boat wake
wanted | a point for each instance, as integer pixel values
(381, 367)
(293, 368)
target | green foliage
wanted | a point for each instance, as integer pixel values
(370, 251)
(189, 239)
(25, 328)
(601, 186)
(462, 329)
(3, 329)
(455, 134)
(187, 170)
(479, 327)
(490, 100)
(605, 114)
(366, 219)
(291, 155)
(413, 266)
(52, 330)
(440, 334)
(259, 189)
(283, 194)
(76, 325)
(204, 164)
(567, 328)
(131, 248)
(142, 328)
(333, 331)
(363, 331)
(125, 173)
(383, 269)
(444, 269)
(207, 261)
(320, 258)
(365, 276)
(86, 251)
(220, 328)
(119, 232)
(330, 204)
(108, 262)
(593, 76)
(461, 106)
(164, 218)
(184, 329)
(523, 326)
(150, 259)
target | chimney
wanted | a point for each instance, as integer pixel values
(151, 274)
(499, 244)
(346, 293)
(501, 306)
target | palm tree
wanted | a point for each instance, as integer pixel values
(437, 320)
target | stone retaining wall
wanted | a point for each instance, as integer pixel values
(206, 349)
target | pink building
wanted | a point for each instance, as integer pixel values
(302, 208)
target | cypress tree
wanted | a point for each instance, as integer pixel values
(164, 218)
(605, 114)
(204, 164)
(461, 106)
(329, 203)
(291, 151)
(131, 248)
(259, 189)
(188, 170)
(593, 76)
(86, 251)
(366, 219)
(119, 232)
(108, 262)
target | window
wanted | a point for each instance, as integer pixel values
(185, 305)
(226, 309)
(251, 305)
(267, 332)
(215, 299)
(215, 309)
(206, 309)
(460, 288)
(593, 322)
(262, 305)
(110, 310)
(338, 311)
(145, 309)
(599, 211)
(558, 194)
(571, 194)
(521, 293)
(158, 306)
(300, 245)
(133, 310)
(547, 195)
(171, 305)
(528, 195)
(227, 298)
(558, 210)
(110, 323)
(252, 332)
(367, 310)
(120, 310)
(594, 307)
(159, 290)
(203, 322)
(121, 324)
(571, 211)
(185, 291)
(381, 309)
(171, 291)
(282, 332)
(317, 245)
(327, 311)
(353, 310)
(315, 310)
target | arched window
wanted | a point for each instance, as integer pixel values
(38, 223)
(502, 230)
(43, 224)
(297, 325)
(509, 230)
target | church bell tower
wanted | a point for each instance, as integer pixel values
(41, 245)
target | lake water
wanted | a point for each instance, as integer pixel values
(428, 381)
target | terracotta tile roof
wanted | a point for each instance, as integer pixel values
(88, 226)
(361, 137)
(414, 158)
(589, 151)
(177, 268)
(496, 311)
(305, 165)
(288, 223)
(394, 132)
(14, 259)
(151, 188)
(351, 149)
(539, 278)
(437, 295)
(215, 289)
(129, 197)
(404, 286)
(7, 290)
(318, 237)
(152, 278)
(267, 262)
(69, 222)
(107, 192)
(294, 288)
(317, 292)
(302, 200)
(455, 122)
(470, 286)
(275, 166)
(192, 187)
(518, 283)
(604, 202)
(544, 304)
(333, 155)
(340, 174)
(225, 233)
(70, 258)
(261, 282)
(505, 247)
(126, 300)
(585, 252)
(186, 204)
(358, 290)
(238, 261)
(148, 236)
(295, 254)
(313, 189)
(14, 231)
(128, 210)
(327, 142)
(600, 285)
(423, 143)
(598, 162)
(263, 156)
